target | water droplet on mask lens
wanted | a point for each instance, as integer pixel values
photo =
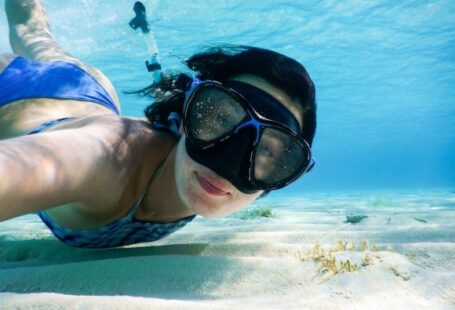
(198, 115)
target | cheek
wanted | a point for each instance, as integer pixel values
(183, 168)
(185, 179)
(181, 158)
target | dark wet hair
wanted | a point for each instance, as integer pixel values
(222, 63)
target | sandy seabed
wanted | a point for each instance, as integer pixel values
(306, 256)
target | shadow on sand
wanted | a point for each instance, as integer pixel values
(166, 271)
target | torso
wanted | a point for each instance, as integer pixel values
(144, 149)
(140, 153)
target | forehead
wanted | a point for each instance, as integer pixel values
(275, 92)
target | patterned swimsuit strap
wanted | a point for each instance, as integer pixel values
(143, 194)
(48, 124)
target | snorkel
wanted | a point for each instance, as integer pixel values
(140, 21)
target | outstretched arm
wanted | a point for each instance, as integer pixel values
(51, 169)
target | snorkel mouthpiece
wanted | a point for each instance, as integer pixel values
(140, 20)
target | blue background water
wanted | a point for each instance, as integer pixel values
(384, 72)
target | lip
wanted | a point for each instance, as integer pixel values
(212, 186)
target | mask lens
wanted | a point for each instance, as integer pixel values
(279, 156)
(213, 113)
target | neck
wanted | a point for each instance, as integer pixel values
(162, 202)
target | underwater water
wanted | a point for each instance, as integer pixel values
(371, 226)
(384, 73)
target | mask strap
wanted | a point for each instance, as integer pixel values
(174, 120)
(173, 124)
(184, 82)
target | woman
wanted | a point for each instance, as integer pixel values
(98, 179)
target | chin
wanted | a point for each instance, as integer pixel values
(210, 206)
(203, 203)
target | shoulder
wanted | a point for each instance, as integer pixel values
(118, 154)
(134, 152)
(131, 130)
(119, 132)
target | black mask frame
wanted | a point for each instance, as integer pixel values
(267, 112)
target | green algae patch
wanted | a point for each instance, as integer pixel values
(256, 212)
(354, 219)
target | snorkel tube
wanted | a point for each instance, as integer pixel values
(140, 21)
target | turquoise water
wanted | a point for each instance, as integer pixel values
(385, 77)
(384, 72)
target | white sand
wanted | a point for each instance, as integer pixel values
(232, 263)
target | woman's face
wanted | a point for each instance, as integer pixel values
(193, 179)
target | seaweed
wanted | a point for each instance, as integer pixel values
(316, 253)
(363, 245)
(376, 248)
(366, 260)
(410, 255)
(398, 274)
(328, 261)
(354, 219)
(256, 212)
(348, 266)
(340, 247)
